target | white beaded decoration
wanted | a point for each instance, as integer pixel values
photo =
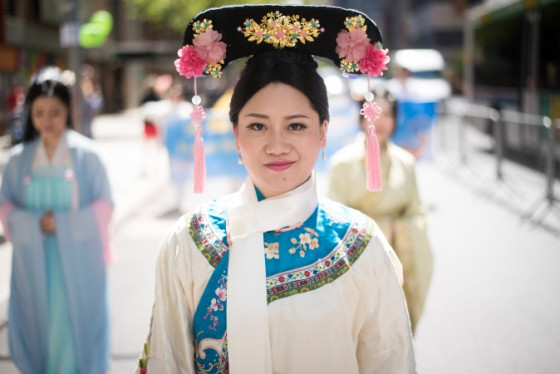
(196, 100)
(368, 96)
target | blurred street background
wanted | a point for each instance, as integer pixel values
(479, 81)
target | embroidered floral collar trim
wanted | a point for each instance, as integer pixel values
(324, 270)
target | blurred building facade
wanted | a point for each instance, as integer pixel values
(30, 37)
(512, 55)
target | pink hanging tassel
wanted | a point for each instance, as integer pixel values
(197, 116)
(371, 112)
(373, 161)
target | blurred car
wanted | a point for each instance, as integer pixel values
(420, 71)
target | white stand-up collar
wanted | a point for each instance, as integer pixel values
(61, 156)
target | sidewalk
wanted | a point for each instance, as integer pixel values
(131, 166)
(492, 305)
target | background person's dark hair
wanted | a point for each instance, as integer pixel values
(295, 69)
(47, 82)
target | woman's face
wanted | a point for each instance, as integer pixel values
(49, 116)
(279, 137)
(385, 124)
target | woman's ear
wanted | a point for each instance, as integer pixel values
(234, 129)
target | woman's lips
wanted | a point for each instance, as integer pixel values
(279, 165)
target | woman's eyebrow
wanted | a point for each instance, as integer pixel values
(294, 116)
(257, 115)
(264, 116)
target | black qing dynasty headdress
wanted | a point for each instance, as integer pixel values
(218, 36)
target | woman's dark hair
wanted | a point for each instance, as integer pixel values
(50, 82)
(293, 68)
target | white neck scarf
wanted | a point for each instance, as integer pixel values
(247, 311)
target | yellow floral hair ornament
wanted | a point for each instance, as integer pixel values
(280, 30)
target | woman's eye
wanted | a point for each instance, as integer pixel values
(297, 126)
(256, 126)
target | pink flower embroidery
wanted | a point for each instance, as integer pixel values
(214, 305)
(304, 238)
(221, 293)
(374, 61)
(209, 46)
(352, 45)
(189, 64)
(314, 243)
(271, 250)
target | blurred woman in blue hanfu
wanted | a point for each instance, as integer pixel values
(55, 206)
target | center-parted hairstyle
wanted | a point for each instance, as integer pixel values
(282, 42)
(293, 68)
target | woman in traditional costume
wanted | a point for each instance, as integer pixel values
(397, 209)
(55, 206)
(273, 278)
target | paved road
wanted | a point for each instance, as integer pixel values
(493, 306)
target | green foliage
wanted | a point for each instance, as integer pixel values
(174, 14)
(94, 33)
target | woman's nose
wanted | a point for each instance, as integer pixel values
(277, 143)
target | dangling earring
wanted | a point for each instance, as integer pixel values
(323, 155)
(239, 159)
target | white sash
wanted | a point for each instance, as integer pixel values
(247, 311)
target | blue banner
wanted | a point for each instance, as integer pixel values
(219, 145)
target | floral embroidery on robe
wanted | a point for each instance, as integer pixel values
(300, 260)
